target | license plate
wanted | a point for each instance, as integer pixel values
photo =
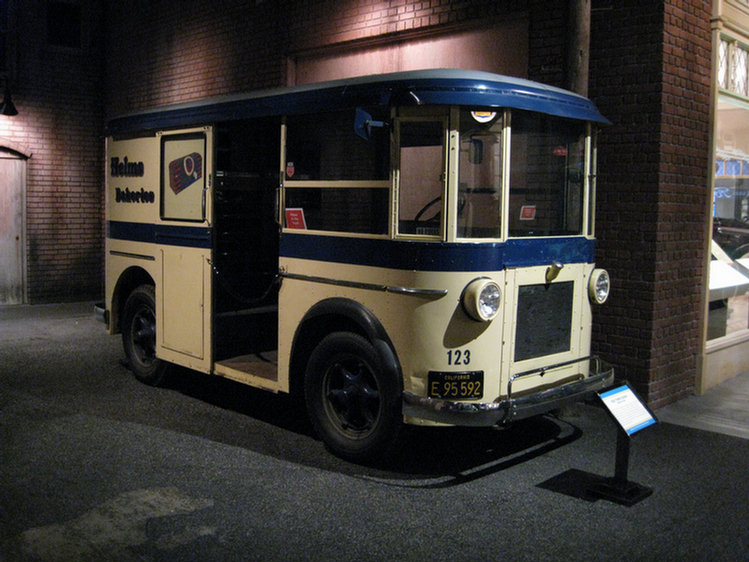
(467, 385)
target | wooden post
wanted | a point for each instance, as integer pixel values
(578, 46)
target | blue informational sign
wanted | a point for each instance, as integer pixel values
(627, 408)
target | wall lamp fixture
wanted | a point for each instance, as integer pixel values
(7, 107)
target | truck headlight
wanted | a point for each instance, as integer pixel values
(599, 286)
(482, 299)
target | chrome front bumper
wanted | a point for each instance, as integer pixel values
(510, 409)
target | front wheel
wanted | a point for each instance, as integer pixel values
(139, 336)
(354, 405)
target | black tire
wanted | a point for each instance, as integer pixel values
(139, 336)
(353, 404)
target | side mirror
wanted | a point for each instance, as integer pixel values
(363, 124)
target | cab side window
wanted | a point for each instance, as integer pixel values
(421, 177)
(335, 180)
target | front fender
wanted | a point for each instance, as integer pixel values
(336, 315)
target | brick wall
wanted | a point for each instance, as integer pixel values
(322, 23)
(650, 75)
(166, 52)
(547, 36)
(57, 92)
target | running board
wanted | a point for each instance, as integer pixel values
(258, 370)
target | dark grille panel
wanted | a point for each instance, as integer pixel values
(544, 320)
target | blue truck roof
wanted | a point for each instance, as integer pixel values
(432, 87)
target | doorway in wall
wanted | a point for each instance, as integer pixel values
(12, 227)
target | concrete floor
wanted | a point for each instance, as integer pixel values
(722, 409)
(96, 466)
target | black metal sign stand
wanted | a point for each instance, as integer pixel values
(619, 489)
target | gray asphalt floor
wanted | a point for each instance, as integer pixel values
(95, 466)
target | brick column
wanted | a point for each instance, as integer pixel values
(650, 75)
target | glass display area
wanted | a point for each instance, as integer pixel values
(729, 266)
(726, 348)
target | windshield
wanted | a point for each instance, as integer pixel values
(516, 174)
(480, 174)
(547, 175)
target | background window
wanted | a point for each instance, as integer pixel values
(729, 268)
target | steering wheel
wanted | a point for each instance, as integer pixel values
(425, 208)
(462, 200)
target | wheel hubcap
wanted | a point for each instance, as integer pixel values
(144, 336)
(353, 399)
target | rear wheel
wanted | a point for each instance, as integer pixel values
(353, 404)
(139, 336)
